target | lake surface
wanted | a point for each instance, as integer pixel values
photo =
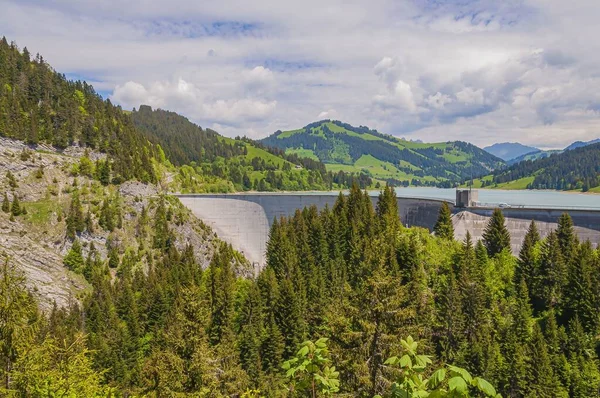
(527, 198)
(487, 197)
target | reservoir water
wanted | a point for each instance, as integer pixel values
(487, 197)
(526, 198)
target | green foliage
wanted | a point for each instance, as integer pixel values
(18, 322)
(443, 226)
(449, 381)
(15, 208)
(372, 154)
(496, 237)
(574, 169)
(58, 369)
(309, 371)
(38, 106)
(5, 203)
(12, 182)
(74, 258)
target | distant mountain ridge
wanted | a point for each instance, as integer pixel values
(579, 144)
(574, 169)
(343, 147)
(540, 154)
(510, 150)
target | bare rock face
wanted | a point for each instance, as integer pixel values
(36, 242)
(43, 267)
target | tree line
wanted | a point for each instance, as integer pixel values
(351, 279)
(39, 105)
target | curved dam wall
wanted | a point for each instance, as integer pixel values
(244, 220)
(474, 220)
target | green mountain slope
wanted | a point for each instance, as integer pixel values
(576, 169)
(205, 161)
(346, 148)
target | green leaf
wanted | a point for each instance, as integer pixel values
(303, 351)
(391, 361)
(485, 387)
(405, 362)
(423, 360)
(465, 375)
(458, 384)
(322, 342)
(436, 378)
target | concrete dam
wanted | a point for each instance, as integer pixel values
(244, 220)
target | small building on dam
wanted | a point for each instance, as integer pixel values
(244, 219)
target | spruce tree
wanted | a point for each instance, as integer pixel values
(552, 276)
(496, 236)
(15, 209)
(443, 227)
(579, 292)
(527, 263)
(75, 219)
(12, 182)
(74, 258)
(5, 203)
(567, 239)
(221, 289)
(541, 378)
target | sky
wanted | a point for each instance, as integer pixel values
(478, 71)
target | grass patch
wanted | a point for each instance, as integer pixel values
(40, 212)
(303, 153)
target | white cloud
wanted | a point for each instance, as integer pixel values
(439, 100)
(480, 70)
(470, 96)
(190, 100)
(237, 111)
(328, 114)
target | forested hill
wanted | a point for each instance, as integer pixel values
(384, 157)
(39, 105)
(209, 162)
(576, 169)
(183, 141)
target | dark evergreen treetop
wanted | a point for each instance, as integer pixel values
(496, 236)
(443, 226)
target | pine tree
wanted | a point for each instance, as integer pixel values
(443, 227)
(528, 263)
(272, 344)
(450, 320)
(552, 276)
(251, 334)
(74, 258)
(15, 209)
(567, 239)
(579, 292)
(5, 204)
(162, 233)
(75, 220)
(495, 236)
(541, 378)
(221, 287)
(12, 182)
(288, 315)
(18, 312)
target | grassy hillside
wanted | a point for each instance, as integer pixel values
(383, 157)
(201, 160)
